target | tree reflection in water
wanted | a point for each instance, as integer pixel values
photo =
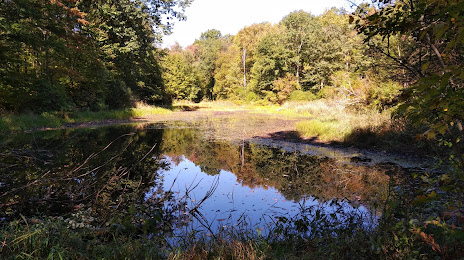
(122, 177)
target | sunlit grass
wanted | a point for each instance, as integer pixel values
(30, 121)
(333, 121)
(142, 110)
(217, 105)
(330, 130)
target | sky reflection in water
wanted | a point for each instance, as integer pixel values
(234, 204)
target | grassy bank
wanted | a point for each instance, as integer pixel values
(30, 121)
(336, 122)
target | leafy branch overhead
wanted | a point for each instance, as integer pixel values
(436, 31)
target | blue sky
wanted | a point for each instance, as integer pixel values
(230, 16)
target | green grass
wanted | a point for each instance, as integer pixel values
(30, 121)
(324, 130)
(10, 123)
(53, 239)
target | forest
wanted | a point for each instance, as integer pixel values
(388, 74)
(62, 57)
(76, 55)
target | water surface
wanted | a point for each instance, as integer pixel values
(175, 178)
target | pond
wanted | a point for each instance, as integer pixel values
(173, 178)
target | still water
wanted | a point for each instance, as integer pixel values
(176, 179)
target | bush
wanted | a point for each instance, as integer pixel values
(3, 126)
(299, 95)
(271, 97)
(251, 97)
(384, 95)
(285, 86)
(262, 102)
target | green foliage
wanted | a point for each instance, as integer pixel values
(77, 55)
(181, 78)
(363, 91)
(53, 238)
(301, 52)
(270, 63)
(299, 95)
(299, 27)
(209, 46)
(384, 95)
(228, 78)
(331, 50)
(436, 30)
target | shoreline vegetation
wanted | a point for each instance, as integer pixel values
(53, 120)
(320, 121)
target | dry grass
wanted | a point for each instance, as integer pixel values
(141, 110)
(219, 105)
(221, 249)
(317, 108)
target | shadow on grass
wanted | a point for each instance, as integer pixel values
(393, 140)
(292, 136)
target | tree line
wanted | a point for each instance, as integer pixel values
(303, 57)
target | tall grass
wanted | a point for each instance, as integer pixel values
(335, 122)
(30, 121)
(51, 238)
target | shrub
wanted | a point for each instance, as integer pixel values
(299, 95)
(285, 86)
(251, 96)
(384, 95)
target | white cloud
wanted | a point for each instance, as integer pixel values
(230, 16)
